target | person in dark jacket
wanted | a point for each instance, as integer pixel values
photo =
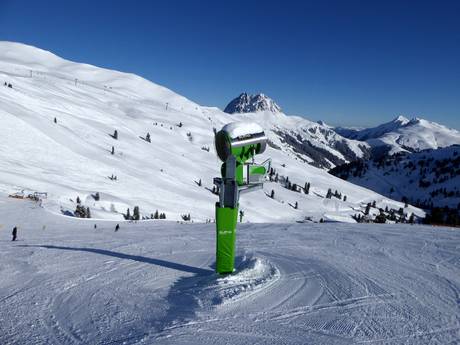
(117, 227)
(15, 233)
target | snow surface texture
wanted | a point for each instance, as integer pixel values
(65, 282)
(241, 129)
(72, 157)
(402, 134)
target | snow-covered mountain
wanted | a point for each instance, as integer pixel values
(247, 103)
(312, 142)
(307, 141)
(427, 178)
(402, 134)
(57, 135)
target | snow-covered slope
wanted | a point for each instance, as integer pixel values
(427, 178)
(56, 135)
(65, 282)
(402, 134)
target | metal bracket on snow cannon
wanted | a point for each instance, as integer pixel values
(236, 143)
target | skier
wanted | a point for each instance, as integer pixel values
(15, 233)
(117, 227)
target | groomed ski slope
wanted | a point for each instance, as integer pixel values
(65, 282)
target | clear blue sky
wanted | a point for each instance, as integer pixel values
(346, 62)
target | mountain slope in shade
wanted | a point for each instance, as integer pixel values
(402, 134)
(427, 178)
(57, 125)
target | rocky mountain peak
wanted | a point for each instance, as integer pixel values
(247, 103)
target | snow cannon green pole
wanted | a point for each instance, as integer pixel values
(236, 144)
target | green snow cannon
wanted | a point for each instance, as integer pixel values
(236, 144)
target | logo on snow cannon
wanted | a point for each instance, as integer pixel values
(236, 144)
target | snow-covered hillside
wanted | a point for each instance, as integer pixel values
(402, 134)
(427, 178)
(57, 124)
(65, 282)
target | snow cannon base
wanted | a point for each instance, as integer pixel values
(226, 219)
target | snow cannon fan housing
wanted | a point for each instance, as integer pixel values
(243, 140)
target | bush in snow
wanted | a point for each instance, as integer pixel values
(82, 212)
(96, 196)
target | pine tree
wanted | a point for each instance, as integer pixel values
(113, 150)
(136, 215)
(147, 137)
(115, 135)
(374, 204)
(296, 205)
(199, 183)
(272, 194)
(128, 214)
(368, 208)
(412, 218)
(329, 194)
(55, 120)
(78, 200)
(156, 215)
(307, 187)
(88, 213)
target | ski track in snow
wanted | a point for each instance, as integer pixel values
(153, 283)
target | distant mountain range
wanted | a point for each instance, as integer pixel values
(325, 146)
(402, 134)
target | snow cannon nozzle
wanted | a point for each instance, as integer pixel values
(243, 140)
